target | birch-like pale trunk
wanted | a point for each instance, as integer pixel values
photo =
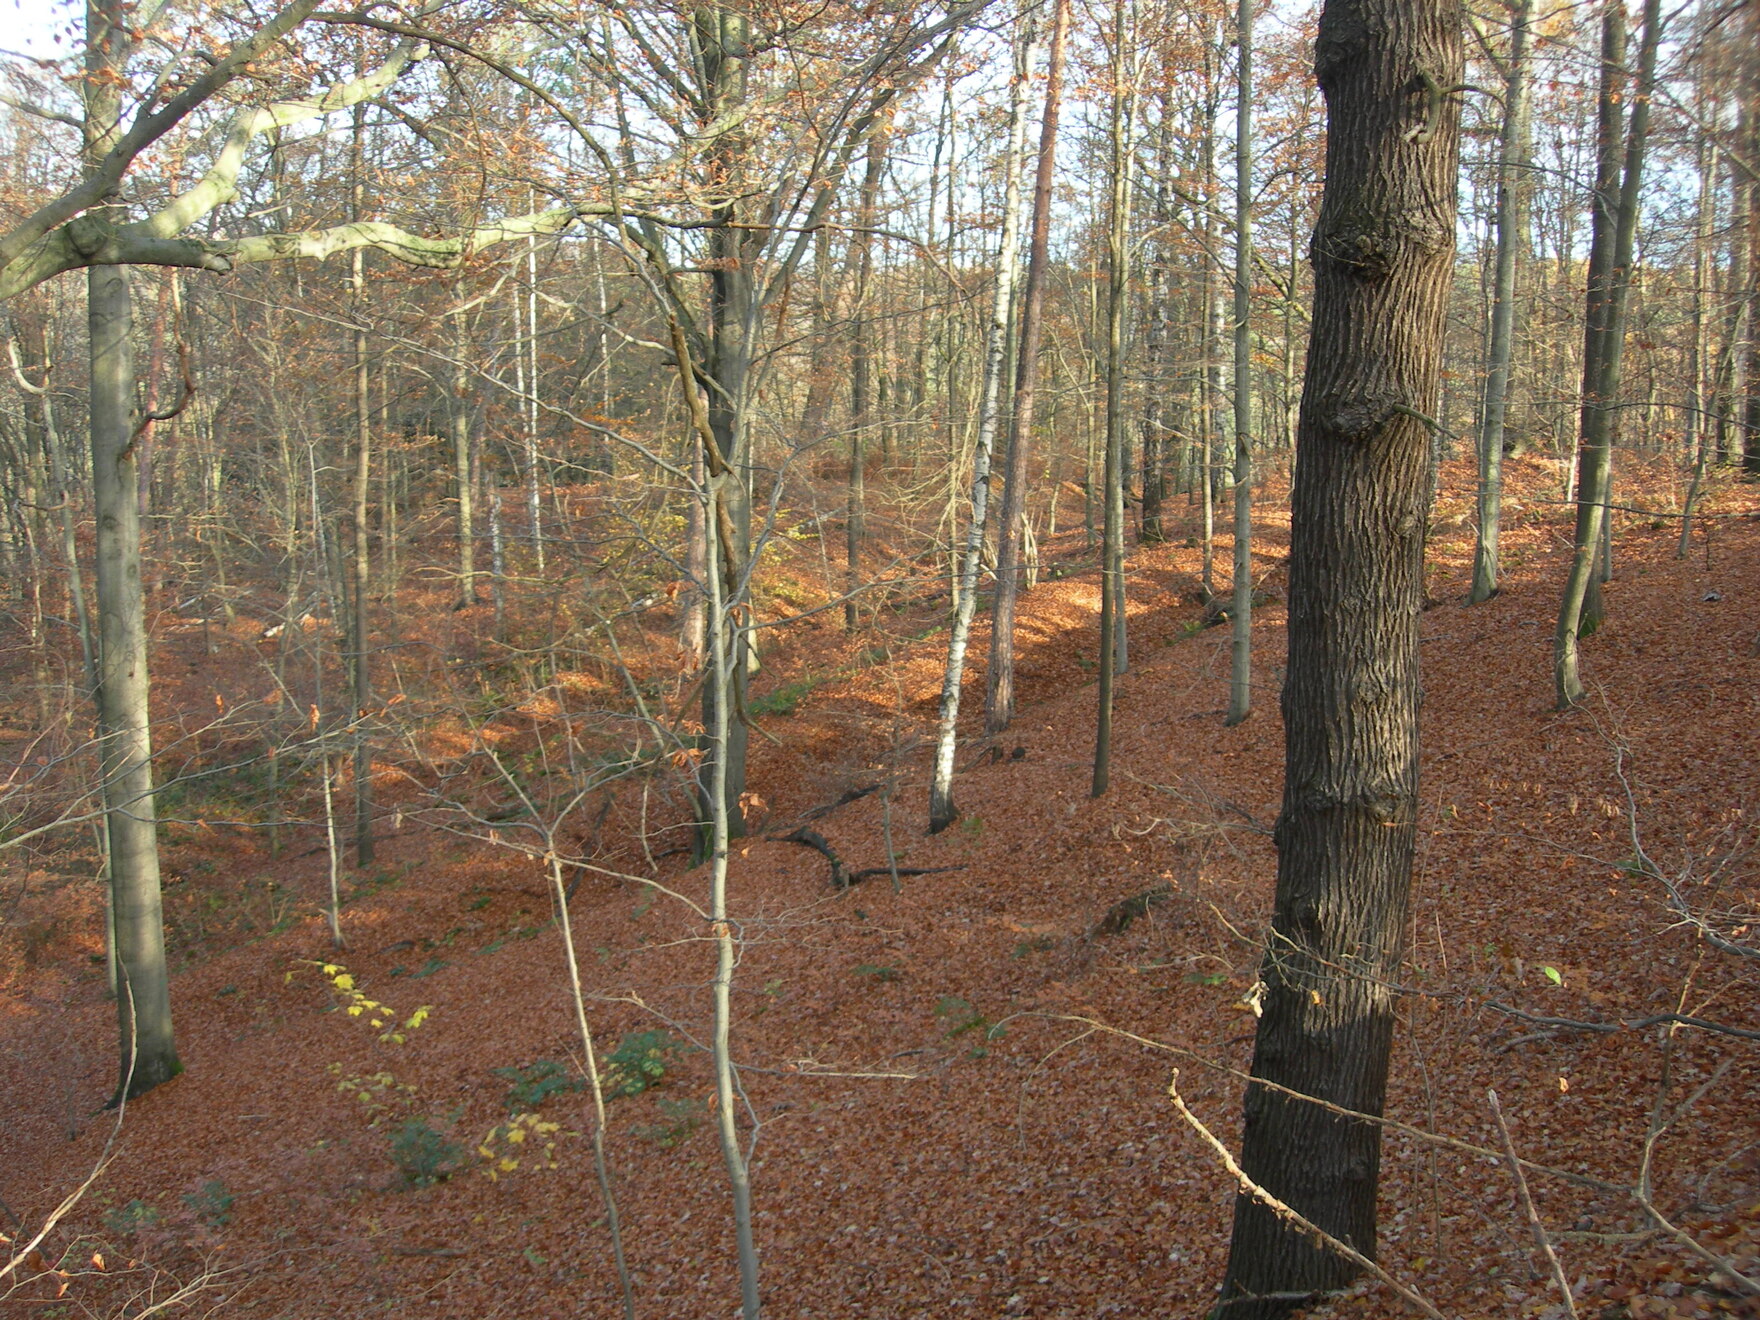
(942, 811)
(1512, 236)
(999, 693)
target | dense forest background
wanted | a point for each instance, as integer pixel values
(518, 523)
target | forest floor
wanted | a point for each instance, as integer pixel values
(956, 1086)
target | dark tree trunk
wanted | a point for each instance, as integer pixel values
(1613, 233)
(1382, 253)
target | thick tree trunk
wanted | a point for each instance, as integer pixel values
(1382, 253)
(1512, 236)
(143, 998)
(999, 693)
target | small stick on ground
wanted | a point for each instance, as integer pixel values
(1539, 1229)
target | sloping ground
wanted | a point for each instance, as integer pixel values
(958, 1087)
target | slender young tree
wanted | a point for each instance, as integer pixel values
(942, 811)
(1512, 230)
(1613, 236)
(999, 693)
(1125, 72)
(360, 668)
(1383, 256)
(861, 372)
(1240, 672)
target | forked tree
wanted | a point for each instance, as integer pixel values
(1383, 254)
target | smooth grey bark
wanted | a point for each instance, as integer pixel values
(146, 1046)
(942, 811)
(1383, 258)
(1736, 447)
(460, 423)
(1118, 275)
(999, 691)
(1613, 236)
(359, 661)
(860, 378)
(1240, 671)
(1512, 237)
(147, 1050)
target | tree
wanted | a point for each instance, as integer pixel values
(942, 811)
(1125, 75)
(1614, 232)
(1512, 225)
(1240, 690)
(999, 692)
(147, 1050)
(1382, 253)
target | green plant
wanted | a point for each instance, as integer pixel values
(782, 700)
(423, 1154)
(879, 973)
(679, 1118)
(535, 1083)
(958, 1016)
(211, 1202)
(639, 1062)
(128, 1219)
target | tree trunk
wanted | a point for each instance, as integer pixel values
(1512, 236)
(860, 377)
(1382, 252)
(148, 1053)
(999, 694)
(461, 457)
(363, 477)
(143, 999)
(1118, 274)
(1614, 232)
(942, 811)
(1240, 676)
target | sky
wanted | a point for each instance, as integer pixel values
(29, 27)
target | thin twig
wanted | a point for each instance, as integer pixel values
(1527, 1199)
(1290, 1216)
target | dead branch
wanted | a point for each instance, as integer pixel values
(1527, 1200)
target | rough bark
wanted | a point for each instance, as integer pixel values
(1382, 254)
